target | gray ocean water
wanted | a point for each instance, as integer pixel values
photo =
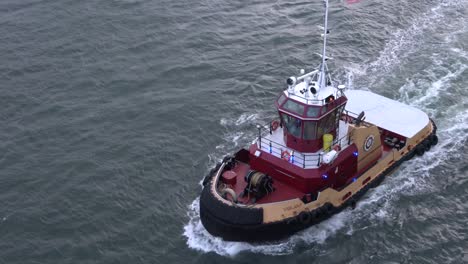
(112, 111)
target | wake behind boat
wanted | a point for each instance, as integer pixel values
(328, 147)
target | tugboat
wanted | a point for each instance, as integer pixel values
(328, 147)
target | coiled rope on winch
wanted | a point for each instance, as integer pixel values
(258, 185)
(255, 178)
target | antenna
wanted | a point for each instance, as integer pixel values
(322, 75)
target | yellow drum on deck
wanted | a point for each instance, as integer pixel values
(327, 142)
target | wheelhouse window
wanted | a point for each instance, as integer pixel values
(293, 125)
(327, 123)
(281, 99)
(324, 109)
(313, 111)
(310, 130)
(294, 107)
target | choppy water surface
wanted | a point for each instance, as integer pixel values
(113, 111)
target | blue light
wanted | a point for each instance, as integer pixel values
(292, 159)
(355, 153)
(325, 176)
(354, 179)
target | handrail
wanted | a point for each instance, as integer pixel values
(314, 101)
(297, 158)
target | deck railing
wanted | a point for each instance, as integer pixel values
(304, 160)
(310, 101)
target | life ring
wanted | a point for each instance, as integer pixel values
(337, 148)
(274, 125)
(285, 155)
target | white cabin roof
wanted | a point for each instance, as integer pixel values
(307, 97)
(386, 113)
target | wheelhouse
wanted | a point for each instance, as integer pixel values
(306, 121)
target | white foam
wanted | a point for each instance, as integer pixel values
(244, 118)
(321, 232)
(235, 137)
(404, 42)
(433, 91)
(353, 70)
(223, 121)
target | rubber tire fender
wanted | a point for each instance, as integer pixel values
(420, 150)
(427, 144)
(328, 208)
(304, 218)
(313, 215)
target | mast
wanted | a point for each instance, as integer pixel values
(323, 74)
